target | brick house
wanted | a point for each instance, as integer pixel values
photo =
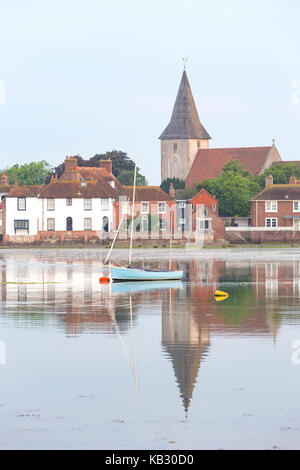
(275, 214)
(153, 206)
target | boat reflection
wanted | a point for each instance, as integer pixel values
(133, 287)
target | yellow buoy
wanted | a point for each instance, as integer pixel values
(220, 296)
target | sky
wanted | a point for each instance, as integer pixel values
(86, 77)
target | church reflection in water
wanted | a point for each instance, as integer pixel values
(66, 295)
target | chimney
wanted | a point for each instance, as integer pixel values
(4, 180)
(107, 165)
(269, 180)
(71, 172)
(292, 180)
(172, 191)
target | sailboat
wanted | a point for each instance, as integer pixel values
(132, 273)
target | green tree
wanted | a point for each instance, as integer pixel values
(177, 183)
(281, 173)
(29, 173)
(233, 189)
(120, 163)
(126, 177)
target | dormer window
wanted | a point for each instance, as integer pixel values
(83, 184)
(112, 183)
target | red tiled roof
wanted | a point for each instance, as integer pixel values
(74, 189)
(24, 191)
(4, 188)
(204, 197)
(98, 174)
(147, 193)
(209, 163)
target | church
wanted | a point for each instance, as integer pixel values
(185, 146)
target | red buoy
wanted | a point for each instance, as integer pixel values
(104, 280)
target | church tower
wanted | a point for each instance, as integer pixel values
(183, 136)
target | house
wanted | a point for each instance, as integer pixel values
(275, 215)
(277, 207)
(78, 206)
(198, 218)
(153, 207)
(185, 146)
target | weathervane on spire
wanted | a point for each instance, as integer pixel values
(184, 62)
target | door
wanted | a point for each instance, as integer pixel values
(105, 224)
(69, 223)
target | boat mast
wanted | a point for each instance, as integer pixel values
(132, 213)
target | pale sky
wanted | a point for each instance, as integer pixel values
(86, 77)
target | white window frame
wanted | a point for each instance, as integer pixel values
(104, 203)
(202, 222)
(214, 206)
(22, 206)
(298, 206)
(87, 223)
(271, 226)
(182, 205)
(165, 208)
(87, 204)
(162, 224)
(273, 206)
(182, 221)
(50, 222)
(51, 204)
(145, 220)
(69, 201)
(142, 209)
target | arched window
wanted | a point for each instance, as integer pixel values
(69, 223)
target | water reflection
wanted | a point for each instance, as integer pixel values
(65, 294)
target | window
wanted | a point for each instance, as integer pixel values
(87, 224)
(104, 203)
(271, 206)
(21, 203)
(21, 225)
(50, 224)
(125, 207)
(87, 204)
(296, 206)
(182, 205)
(162, 224)
(181, 221)
(270, 223)
(214, 207)
(203, 224)
(204, 213)
(83, 184)
(112, 183)
(50, 204)
(161, 207)
(145, 224)
(145, 207)
(175, 147)
(68, 202)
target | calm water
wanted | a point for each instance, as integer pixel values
(150, 366)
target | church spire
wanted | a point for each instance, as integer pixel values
(185, 122)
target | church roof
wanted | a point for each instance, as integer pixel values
(185, 122)
(209, 163)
